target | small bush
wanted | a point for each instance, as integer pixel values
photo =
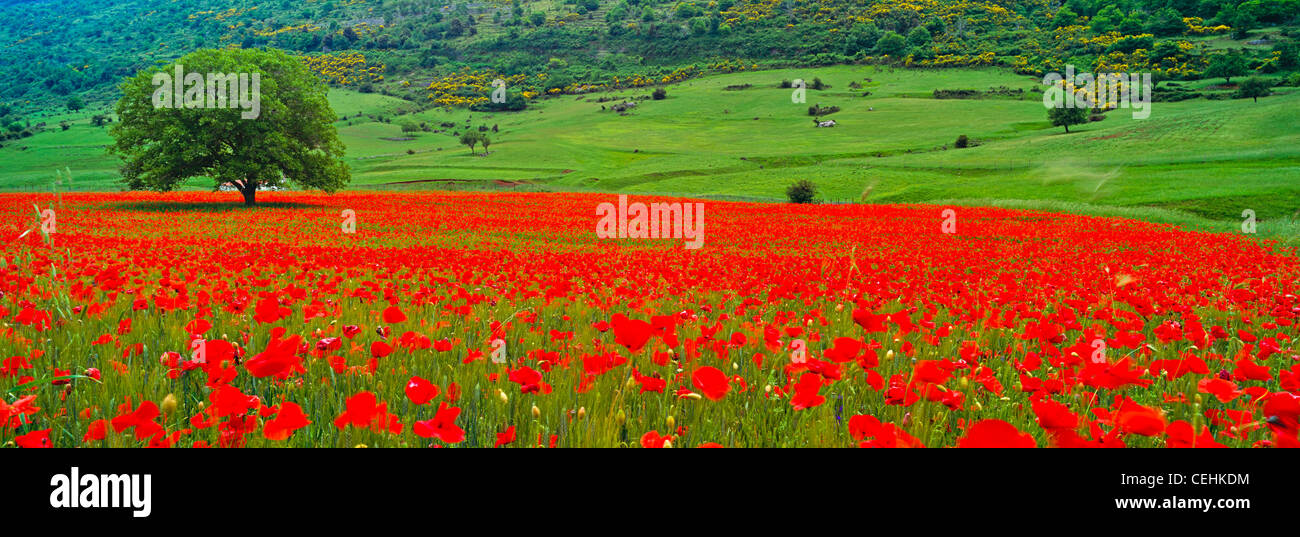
(962, 142)
(819, 110)
(803, 191)
(659, 94)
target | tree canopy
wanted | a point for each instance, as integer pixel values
(291, 140)
(1066, 116)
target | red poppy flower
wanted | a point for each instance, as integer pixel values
(98, 430)
(1181, 436)
(805, 392)
(280, 359)
(34, 439)
(992, 433)
(630, 333)
(507, 437)
(288, 419)
(363, 411)
(442, 426)
(711, 381)
(394, 315)
(379, 349)
(421, 391)
(653, 440)
(1133, 418)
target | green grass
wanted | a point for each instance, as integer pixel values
(1204, 160)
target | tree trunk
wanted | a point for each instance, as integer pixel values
(249, 190)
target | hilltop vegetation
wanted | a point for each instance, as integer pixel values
(445, 52)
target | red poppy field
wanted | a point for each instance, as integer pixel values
(494, 319)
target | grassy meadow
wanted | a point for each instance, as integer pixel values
(1198, 162)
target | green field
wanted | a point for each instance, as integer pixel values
(1196, 162)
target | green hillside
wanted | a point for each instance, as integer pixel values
(1196, 161)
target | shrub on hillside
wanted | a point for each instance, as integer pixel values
(819, 110)
(802, 191)
(962, 142)
(1254, 88)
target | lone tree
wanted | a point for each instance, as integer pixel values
(1254, 87)
(803, 191)
(1226, 65)
(471, 139)
(1066, 116)
(290, 138)
(483, 139)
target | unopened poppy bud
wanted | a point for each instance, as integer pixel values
(839, 307)
(768, 388)
(169, 404)
(889, 354)
(977, 407)
(359, 446)
(964, 382)
(1199, 399)
(503, 397)
(735, 366)
(537, 412)
(631, 383)
(582, 412)
(621, 418)
(668, 443)
(672, 423)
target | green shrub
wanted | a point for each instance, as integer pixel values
(802, 191)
